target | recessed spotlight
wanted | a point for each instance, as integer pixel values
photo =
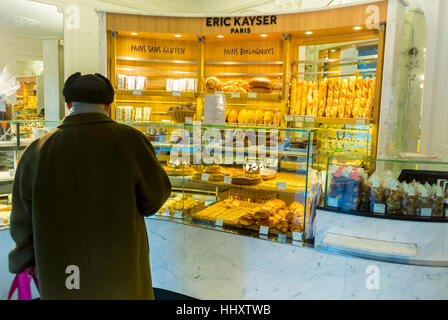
(357, 28)
(178, 35)
(309, 32)
(134, 33)
(263, 35)
(333, 50)
(220, 36)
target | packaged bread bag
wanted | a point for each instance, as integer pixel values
(424, 208)
(409, 202)
(393, 194)
(437, 201)
(377, 203)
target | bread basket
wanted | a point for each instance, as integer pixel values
(180, 115)
(179, 112)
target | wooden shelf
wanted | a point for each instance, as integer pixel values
(251, 96)
(156, 93)
(327, 120)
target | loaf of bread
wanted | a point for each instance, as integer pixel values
(260, 83)
(212, 83)
(232, 117)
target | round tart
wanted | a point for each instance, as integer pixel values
(246, 179)
(213, 169)
(268, 174)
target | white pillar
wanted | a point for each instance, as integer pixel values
(387, 137)
(81, 43)
(435, 108)
(53, 82)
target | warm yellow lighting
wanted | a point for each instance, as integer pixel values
(134, 33)
(263, 35)
(357, 28)
(220, 36)
(178, 35)
(309, 32)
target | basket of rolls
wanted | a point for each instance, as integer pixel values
(180, 112)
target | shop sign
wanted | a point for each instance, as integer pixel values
(149, 48)
(239, 25)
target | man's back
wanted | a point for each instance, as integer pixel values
(89, 183)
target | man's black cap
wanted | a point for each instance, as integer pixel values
(93, 88)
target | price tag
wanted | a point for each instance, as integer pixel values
(281, 238)
(252, 95)
(205, 176)
(281, 185)
(137, 92)
(166, 213)
(235, 95)
(299, 118)
(264, 230)
(228, 160)
(333, 202)
(178, 214)
(426, 212)
(228, 180)
(310, 119)
(297, 236)
(361, 121)
(189, 120)
(298, 124)
(219, 222)
(379, 208)
(176, 93)
(289, 117)
(219, 93)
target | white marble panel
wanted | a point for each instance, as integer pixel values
(166, 248)
(430, 283)
(396, 230)
(213, 264)
(343, 224)
(430, 240)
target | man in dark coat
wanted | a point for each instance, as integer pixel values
(80, 196)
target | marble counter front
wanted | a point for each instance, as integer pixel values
(209, 264)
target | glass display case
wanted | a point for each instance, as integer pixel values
(254, 181)
(15, 136)
(393, 188)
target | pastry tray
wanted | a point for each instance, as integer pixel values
(294, 184)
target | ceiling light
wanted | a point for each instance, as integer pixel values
(178, 35)
(220, 36)
(309, 32)
(263, 35)
(333, 50)
(134, 33)
(357, 28)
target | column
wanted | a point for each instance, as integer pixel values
(53, 79)
(81, 41)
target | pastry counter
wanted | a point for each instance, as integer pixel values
(257, 190)
(385, 209)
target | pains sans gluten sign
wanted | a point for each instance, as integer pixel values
(241, 24)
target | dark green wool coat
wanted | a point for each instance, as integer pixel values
(79, 198)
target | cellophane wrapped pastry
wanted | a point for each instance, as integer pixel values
(437, 201)
(376, 191)
(393, 194)
(410, 200)
(424, 198)
(345, 187)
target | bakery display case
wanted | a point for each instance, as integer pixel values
(251, 181)
(334, 89)
(393, 188)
